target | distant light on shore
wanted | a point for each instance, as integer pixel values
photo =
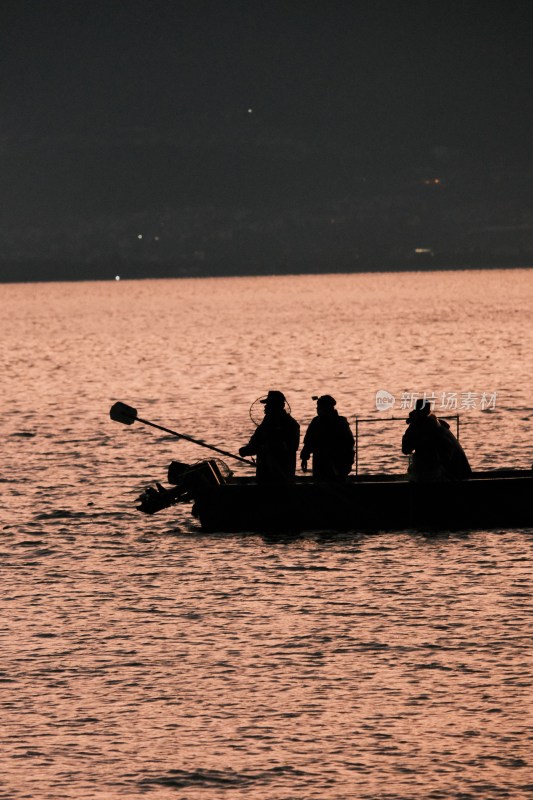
(117, 277)
(140, 236)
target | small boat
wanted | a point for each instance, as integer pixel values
(222, 502)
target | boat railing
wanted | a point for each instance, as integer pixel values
(370, 420)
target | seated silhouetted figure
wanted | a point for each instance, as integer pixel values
(436, 453)
(275, 442)
(330, 441)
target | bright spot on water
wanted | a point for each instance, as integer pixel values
(117, 277)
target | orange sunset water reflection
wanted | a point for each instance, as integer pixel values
(141, 657)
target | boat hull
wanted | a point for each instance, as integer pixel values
(368, 505)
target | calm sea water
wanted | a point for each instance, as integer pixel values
(141, 657)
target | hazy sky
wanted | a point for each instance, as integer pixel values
(94, 93)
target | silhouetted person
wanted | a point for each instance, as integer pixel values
(275, 442)
(437, 454)
(330, 440)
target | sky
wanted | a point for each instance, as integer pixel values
(110, 106)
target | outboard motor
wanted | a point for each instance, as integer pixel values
(176, 471)
(190, 482)
(202, 477)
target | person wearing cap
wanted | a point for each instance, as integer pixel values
(436, 453)
(330, 441)
(275, 442)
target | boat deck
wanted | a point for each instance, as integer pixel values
(379, 477)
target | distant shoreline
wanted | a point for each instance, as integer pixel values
(53, 272)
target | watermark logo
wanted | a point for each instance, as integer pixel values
(441, 401)
(384, 400)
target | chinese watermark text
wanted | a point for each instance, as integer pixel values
(439, 401)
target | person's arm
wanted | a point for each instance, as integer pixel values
(347, 432)
(307, 449)
(252, 447)
(407, 442)
(296, 436)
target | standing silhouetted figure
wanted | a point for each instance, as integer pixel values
(437, 454)
(330, 441)
(275, 442)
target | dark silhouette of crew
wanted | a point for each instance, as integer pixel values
(275, 442)
(436, 453)
(330, 441)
